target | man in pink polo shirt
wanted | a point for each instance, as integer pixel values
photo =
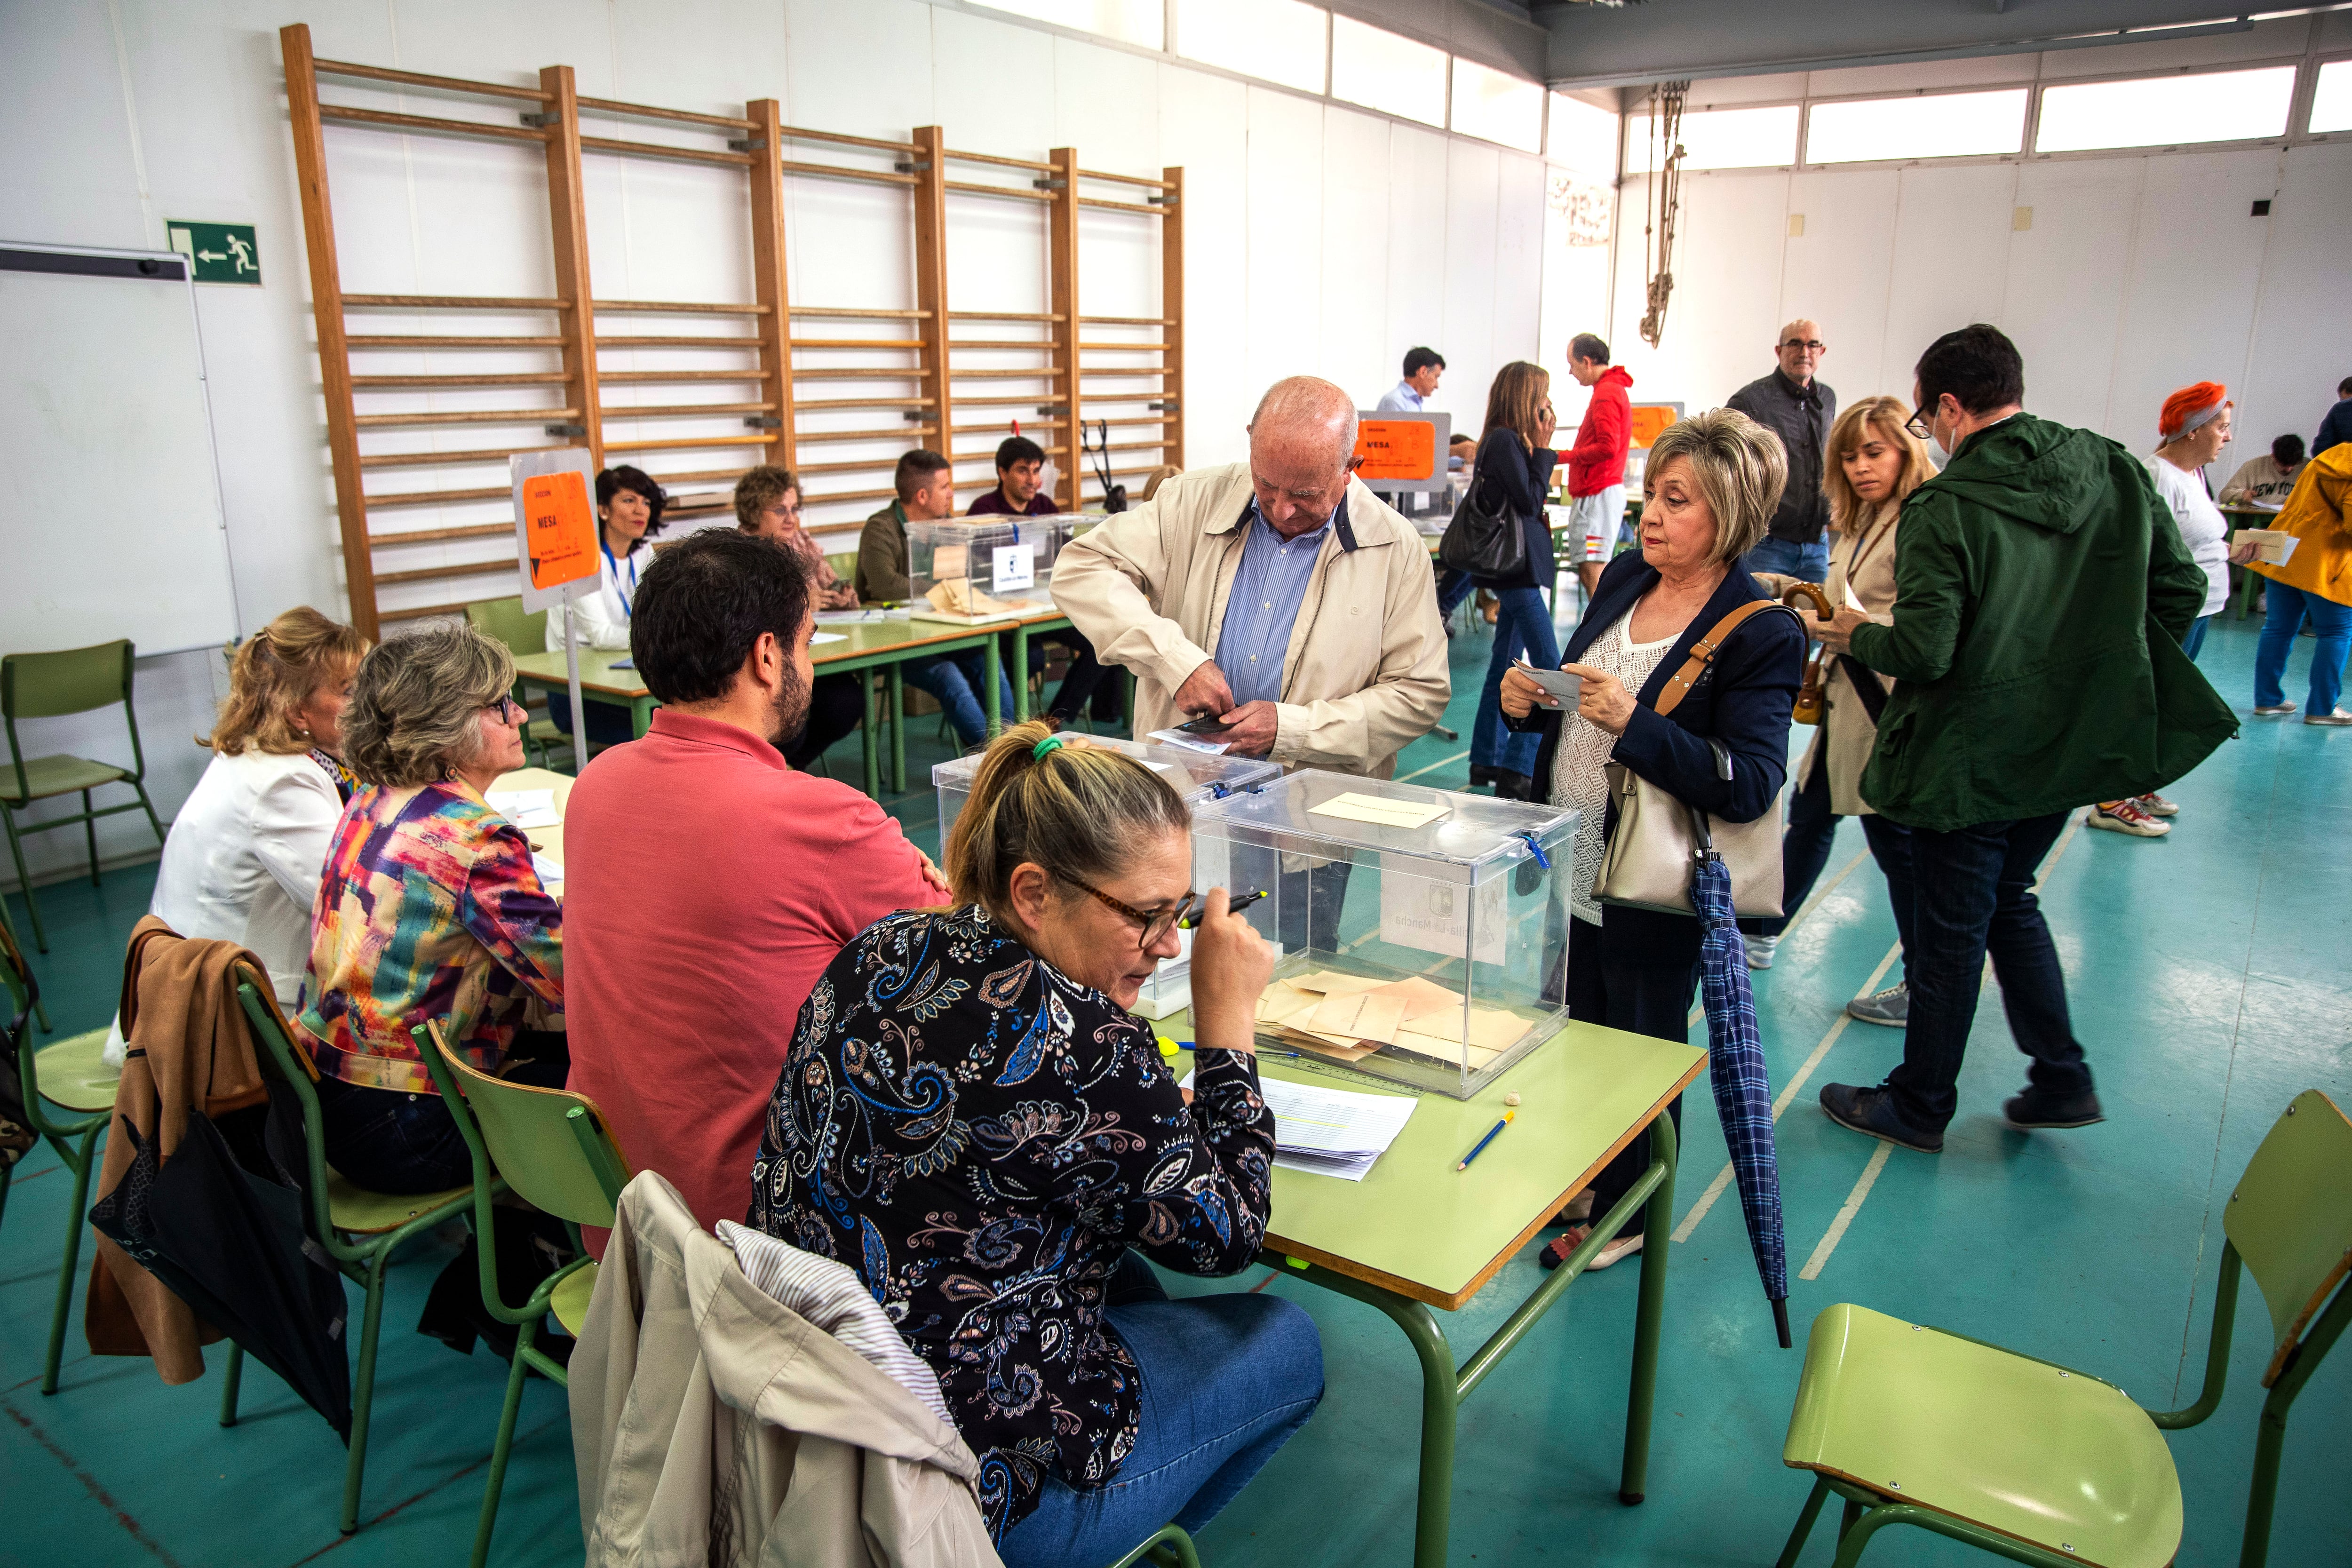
(706, 884)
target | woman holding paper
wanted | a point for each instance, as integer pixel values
(430, 908)
(1514, 470)
(1711, 486)
(971, 1118)
(2314, 581)
(1874, 464)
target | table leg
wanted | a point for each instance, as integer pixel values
(865, 736)
(1019, 674)
(898, 730)
(1658, 1224)
(994, 674)
(641, 715)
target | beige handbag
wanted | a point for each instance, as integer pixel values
(1658, 839)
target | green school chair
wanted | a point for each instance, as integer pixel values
(1170, 1548)
(359, 1230)
(71, 1074)
(522, 631)
(555, 1153)
(2046, 1465)
(51, 686)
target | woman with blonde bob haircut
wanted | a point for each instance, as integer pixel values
(242, 859)
(1874, 465)
(430, 908)
(1711, 486)
(971, 1118)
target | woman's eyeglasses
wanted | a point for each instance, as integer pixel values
(509, 710)
(1155, 925)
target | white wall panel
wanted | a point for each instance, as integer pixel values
(2303, 340)
(1473, 194)
(2196, 275)
(1285, 237)
(1950, 265)
(1204, 129)
(1519, 259)
(1840, 271)
(2064, 291)
(1357, 353)
(1726, 306)
(1416, 255)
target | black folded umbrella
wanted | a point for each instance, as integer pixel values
(230, 1242)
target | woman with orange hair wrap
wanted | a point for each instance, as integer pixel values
(2192, 429)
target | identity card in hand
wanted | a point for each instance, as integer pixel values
(1558, 683)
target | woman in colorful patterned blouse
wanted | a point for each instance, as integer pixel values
(971, 1118)
(430, 908)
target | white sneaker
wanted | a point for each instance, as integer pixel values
(2126, 816)
(2155, 805)
(2337, 718)
(2274, 710)
(1760, 950)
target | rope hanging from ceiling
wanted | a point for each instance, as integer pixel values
(1662, 203)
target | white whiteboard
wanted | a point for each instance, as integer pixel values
(113, 526)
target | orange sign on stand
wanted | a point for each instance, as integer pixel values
(1651, 420)
(560, 528)
(1395, 449)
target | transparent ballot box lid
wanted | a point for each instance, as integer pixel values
(1423, 932)
(971, 570)
(1198, 776)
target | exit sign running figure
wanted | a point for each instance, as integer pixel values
(219, 252)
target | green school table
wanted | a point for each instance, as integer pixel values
(1416, 1234)
(865, 644)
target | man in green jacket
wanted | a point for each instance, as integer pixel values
(2042, 592)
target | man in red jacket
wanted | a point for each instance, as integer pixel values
(1596, 464)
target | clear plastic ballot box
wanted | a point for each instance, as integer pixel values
(1199, 777)
(1424, 933)
(976, 570)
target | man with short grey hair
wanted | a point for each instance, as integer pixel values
(1277, 595)
(1797, 406)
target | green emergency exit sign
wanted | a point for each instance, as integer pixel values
(220, 252)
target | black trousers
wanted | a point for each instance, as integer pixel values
(1084, 680)
(1805, 851)
(836, 707)
(1655, 1002)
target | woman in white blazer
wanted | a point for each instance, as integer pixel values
(629, 507)
(244, 856)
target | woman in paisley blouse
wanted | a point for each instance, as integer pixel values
(971, 1118)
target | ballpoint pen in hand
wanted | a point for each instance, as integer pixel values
(1192, 921)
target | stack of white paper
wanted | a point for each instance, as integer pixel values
(1332, 1132)
(526, 807)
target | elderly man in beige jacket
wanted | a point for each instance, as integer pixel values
(1316, 598)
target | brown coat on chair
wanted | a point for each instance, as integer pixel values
(190, 1051)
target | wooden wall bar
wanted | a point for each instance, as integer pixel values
(759, 358)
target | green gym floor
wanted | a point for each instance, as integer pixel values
(2208, 977)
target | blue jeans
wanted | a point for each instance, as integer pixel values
(1226, 1380)
(2330, 620)
(2194, 643)
(1524, 621)
(1972, 893)
(957, 679)
(1805, 563)
(1453, 587)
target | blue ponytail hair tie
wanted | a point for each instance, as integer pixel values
(1037, 752)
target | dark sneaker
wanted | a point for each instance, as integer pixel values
(1891, 1008)
(1870, 1112)
(2034, 1111)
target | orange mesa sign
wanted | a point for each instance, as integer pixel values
(1395, 449)
(559, 528)
(1651, 421)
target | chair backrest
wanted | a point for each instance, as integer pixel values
(2291, 1216)
(1157, 478)
(71, 680)
(551, 1145)
(505, 620)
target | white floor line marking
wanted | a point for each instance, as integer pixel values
(1812, 1270)
(1812, 902)
(1788, 1094)
(1432, 767)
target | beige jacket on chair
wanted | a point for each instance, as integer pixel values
(713, 1426)
(1365, 673)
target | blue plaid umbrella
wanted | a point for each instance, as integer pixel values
(1743, 1088)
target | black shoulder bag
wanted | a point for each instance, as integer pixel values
(1484, 541)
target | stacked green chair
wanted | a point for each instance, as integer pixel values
(359, 1230)
(51, 686)
(552, 1150)
(2041, 1463)
(72, 1075)
(523, 632)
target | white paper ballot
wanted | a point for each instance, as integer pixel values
(1330, 1131)
(550, 873)
(817, 638)
(1189, 742)
(1379, 810)
(526, 807)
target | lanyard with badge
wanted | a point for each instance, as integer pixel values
(630, 591)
